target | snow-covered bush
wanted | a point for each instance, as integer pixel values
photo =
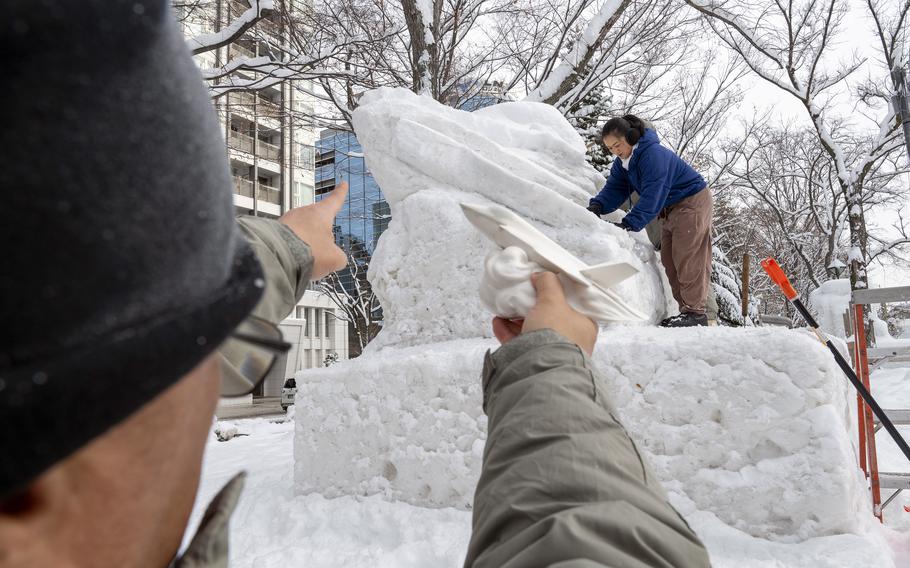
(728, 291)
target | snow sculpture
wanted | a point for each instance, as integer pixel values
(429, 159)
(747, 429)
(405, 418)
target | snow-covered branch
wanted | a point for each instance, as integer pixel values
(234, 30)
(718, 12)
(575, 64)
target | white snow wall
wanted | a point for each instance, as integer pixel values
(731, 427)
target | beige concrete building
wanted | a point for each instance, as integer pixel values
(270, 144)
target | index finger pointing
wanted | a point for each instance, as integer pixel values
(335, 198)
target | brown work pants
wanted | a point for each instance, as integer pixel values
(685, 250)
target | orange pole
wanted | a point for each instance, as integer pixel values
(860, 411)
(863, 363)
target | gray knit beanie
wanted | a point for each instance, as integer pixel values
(122, 266)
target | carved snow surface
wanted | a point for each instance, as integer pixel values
(429, 158)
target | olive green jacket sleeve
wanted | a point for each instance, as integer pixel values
(286, 262)
(562, 484)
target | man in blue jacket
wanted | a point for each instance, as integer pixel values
(668, 188)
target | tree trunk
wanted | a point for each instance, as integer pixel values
(423, 50)
(858, 238)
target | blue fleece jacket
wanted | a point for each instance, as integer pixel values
(658, 175)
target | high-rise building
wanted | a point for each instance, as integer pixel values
(270, 143)
(358, 226)
(268, 131)
(366, 214)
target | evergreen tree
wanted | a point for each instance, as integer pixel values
(728, 290)
(587, 117)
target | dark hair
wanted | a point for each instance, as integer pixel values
(628, 126)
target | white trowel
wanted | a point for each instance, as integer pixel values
(508, 229)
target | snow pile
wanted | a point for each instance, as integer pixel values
(750, 438)
(882, 334)
(274, 527)
(830, 301)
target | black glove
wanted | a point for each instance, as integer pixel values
(596, 208)
(623, 225)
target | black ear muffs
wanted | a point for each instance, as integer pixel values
(636, 130)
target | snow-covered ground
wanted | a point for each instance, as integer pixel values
(891, 387)
(274, 528)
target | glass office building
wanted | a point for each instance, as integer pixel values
(366, 214)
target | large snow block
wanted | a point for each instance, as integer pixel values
(752, 425)
(406, 423)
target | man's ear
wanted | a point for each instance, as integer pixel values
(30, 519)
(20, 503)
(34, 500)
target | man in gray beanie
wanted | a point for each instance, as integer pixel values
(123, 271)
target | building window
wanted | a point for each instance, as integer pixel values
(301, 312)
(297, 195)
(302, 194)
(317, 331)
(329, 324)
(306, 157)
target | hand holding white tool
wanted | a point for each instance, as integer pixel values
(506, 287)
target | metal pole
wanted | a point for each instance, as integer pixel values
(899, 100)
(745, 286)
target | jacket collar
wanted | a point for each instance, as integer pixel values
(209, 548)
(647, 140)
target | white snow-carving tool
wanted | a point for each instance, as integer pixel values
(507, 229)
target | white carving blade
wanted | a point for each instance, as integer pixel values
(506, 228)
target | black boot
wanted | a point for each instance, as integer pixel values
(685, 319)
